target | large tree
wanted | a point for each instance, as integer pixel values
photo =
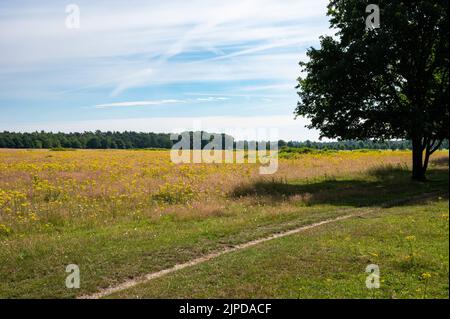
(382, 83)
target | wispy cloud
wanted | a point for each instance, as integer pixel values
(160, 102)
(230, 38)
(271, 87)
(137, 103)
(287, 127)
(154, 53)
(212, 98)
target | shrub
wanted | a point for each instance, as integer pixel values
(61, 149)
(178, 193)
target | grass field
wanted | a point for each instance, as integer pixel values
(121, 214)
(408, 243)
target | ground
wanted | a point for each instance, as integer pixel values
(327, 262)
(121, 214)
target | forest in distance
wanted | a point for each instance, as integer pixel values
(140, 140)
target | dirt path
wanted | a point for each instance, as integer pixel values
(133, 282)
(143, 279)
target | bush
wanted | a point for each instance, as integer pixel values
(61, 149)
(178, 193)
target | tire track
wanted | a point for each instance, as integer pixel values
(146, 278)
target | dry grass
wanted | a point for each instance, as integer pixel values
(121, 214)
(40, 189)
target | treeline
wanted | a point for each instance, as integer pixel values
(355, 144)
(134, 140)
(89, 140)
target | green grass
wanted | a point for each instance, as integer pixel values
(327, 262)
(33, 265)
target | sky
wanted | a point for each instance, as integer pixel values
(156, 66)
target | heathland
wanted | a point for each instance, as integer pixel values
(119, 214)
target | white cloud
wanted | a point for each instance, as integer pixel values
(251, 46)
(287, 128)
(137, 103)
(34, 39)
(158, 102)
(281, 87)
(212, 98)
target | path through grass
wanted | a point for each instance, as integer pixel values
(409, 244)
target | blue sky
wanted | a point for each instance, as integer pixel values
(155, 65)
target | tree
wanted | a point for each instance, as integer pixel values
(75, 143)
(105, 142)
(2, 142)
(282, 143)
(37, 144)
(383, 83)
(93, 143)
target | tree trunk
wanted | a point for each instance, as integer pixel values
(418, 172)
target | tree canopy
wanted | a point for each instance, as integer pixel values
(90, 140)
(134, 140)
(389, 82)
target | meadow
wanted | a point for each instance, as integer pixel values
(119, 214)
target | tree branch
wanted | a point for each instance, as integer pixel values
(436, 147)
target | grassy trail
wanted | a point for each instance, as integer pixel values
(53, 214)
(409, 244)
